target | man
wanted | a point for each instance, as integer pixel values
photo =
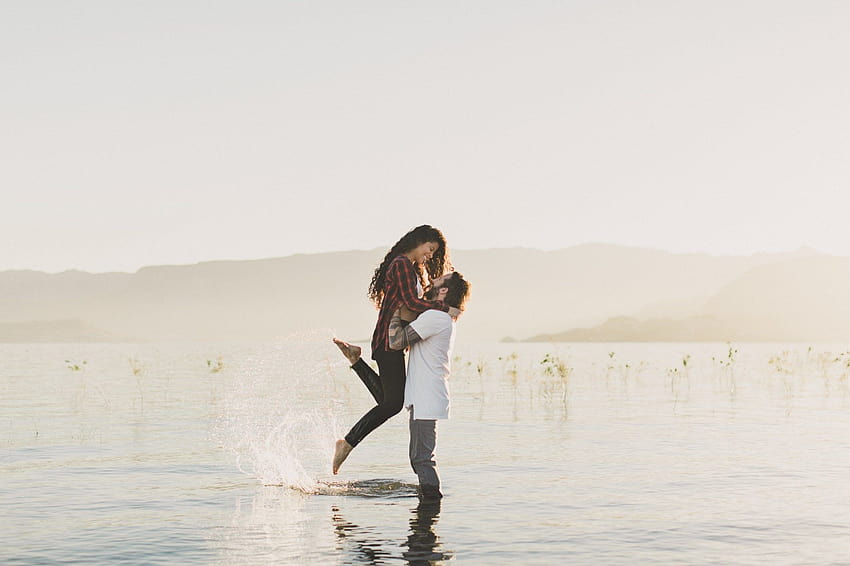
(426, 392)
(430, 338)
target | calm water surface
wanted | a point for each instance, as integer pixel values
(571, 453)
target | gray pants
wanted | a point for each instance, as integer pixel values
(423, 441)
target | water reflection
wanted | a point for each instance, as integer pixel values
(365, 546)
(423, 544)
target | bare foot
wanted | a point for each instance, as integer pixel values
(341, 452)
(350, 351)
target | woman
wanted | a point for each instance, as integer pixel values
(398, 281)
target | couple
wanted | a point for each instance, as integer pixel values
(416, 265)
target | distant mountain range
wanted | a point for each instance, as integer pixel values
(803, 299)
(593, 292)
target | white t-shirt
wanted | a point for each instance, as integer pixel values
(429, 365)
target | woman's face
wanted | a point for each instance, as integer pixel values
(423, 252)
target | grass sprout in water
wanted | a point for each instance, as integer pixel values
(557, 374)
(216, 365)
(75, 366)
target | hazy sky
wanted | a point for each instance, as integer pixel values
(141, 132)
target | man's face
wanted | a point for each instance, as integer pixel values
(436, 285)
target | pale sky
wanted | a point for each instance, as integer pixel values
(144, 133)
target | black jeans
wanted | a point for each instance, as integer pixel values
(386, 386)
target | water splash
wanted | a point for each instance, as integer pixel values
(383, 488)
(278, 412)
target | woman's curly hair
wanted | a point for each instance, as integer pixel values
(435, 267)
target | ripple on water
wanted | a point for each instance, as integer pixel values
(385, 488)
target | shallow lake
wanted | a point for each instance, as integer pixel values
(554, 453)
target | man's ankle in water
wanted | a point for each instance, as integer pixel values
(428, 492)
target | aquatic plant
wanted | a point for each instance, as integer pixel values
(555, 367)
(610, 364)
(136, 366)
(74, 366)
(781, 363)
(509, 366)
(675, 377)
(138, 370)
(727, 367)
(216, 365)
(843, 361)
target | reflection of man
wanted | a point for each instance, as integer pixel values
(423, 546)
(426, 391)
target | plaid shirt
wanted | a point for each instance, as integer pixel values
(399, 289)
